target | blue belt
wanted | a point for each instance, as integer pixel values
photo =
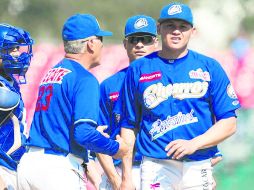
(49, 151)
(137, 163)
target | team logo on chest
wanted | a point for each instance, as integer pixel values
(114, 96)
(157, 93)
(160, 127)
(55, 75)
(199, 74)
(150, 77)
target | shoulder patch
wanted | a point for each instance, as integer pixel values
(200, 74)
(231, 92)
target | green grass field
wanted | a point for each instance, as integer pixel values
(239, 177)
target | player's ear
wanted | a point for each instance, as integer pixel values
(194, 31)
(156, 42)
(125, 43)
(90, 45)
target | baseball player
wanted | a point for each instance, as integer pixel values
(15, 57)
(66, 114)
(140, 40)
(183, 105)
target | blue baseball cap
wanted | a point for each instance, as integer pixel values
(176, 11)
(80, 26)
(140, 24)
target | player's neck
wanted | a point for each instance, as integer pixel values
(81, 59)
(172, 53)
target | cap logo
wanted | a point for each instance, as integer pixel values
(174, 9)
(141, 23)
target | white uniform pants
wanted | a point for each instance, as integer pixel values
(40, 171)
(106, 185)
(157, 174)
(8, 179)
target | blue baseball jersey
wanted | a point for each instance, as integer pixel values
(7, 128)
(175, 99)
(110, 106)
(69, 98)
(110, 89)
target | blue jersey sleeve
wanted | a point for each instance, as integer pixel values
(86, 111)
(224, 98)
(86, 135)
(86, 100)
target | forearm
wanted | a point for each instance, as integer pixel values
(93, 174)
(88, 137)
(129, 137)
(108, 166)
(216, 134)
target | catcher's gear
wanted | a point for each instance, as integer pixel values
(14, 37)
(8, 99)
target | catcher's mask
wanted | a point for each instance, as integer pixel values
(15, 63)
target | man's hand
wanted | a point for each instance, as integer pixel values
(129, 137)
(123, 148)
(216, 160)
(127, 185)
(111, 173)
(94, 174)
(214, 185)
(116, 182)
(101, 129)
(179, 148)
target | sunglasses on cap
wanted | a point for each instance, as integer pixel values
(146, 39)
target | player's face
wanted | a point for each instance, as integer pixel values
(98, 42)
(140, 45)
(14, 52)
(175, 34)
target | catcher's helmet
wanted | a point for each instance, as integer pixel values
(14, 37)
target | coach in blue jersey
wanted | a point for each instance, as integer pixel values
(140, 40)
(66, 114)
(13, 62)
(183, 105)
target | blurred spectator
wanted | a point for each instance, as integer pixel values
(240, 46)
